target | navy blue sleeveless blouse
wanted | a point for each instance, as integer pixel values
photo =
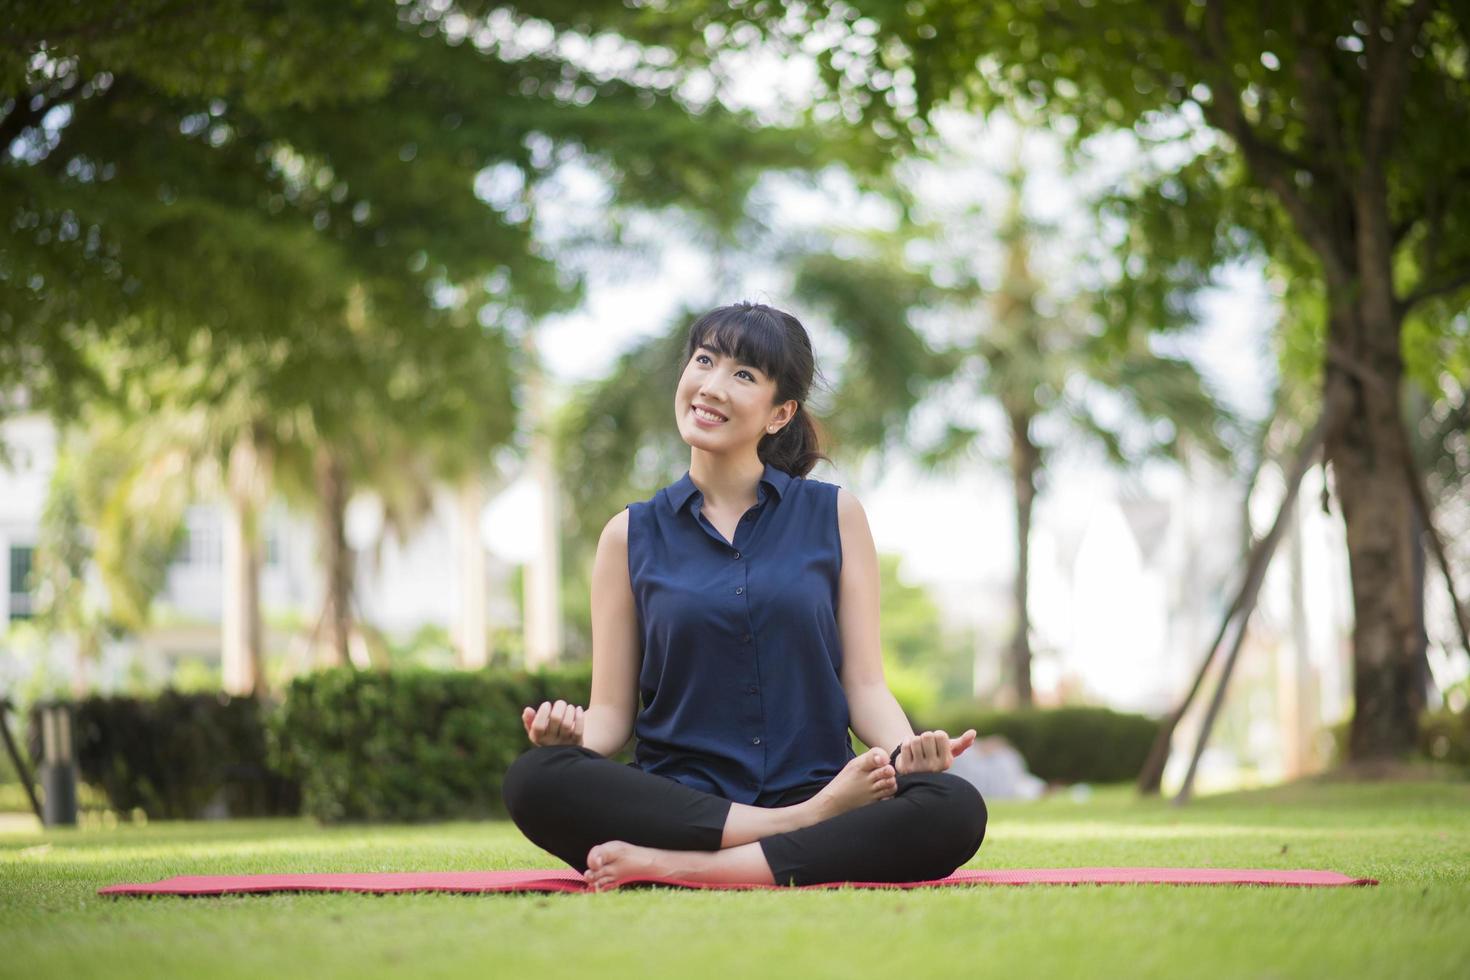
(741, 676)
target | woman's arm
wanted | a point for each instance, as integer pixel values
(875, 715)
(873, 711)
(607, 723)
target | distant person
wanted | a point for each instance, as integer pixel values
(740, 605)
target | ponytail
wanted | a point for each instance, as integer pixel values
(796, 448)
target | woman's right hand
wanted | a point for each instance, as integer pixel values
(554, 724)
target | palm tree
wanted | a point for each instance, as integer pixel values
(1042, 359)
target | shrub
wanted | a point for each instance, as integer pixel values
(409, 744)
(172, 754)
(1444, 736)
(1068, 745)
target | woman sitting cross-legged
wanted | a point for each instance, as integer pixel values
(739, 606)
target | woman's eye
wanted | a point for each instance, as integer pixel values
(701, 358)
(747, 374)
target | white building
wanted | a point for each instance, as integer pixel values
(402, 586)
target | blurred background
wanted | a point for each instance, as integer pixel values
(332, 334)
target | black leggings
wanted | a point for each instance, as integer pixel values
(568, 799)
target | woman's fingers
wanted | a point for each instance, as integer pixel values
(957, 746)
(542, 723)
(928, 752)
(925, 749)
(558, 723)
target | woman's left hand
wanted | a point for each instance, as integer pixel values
(932, 751)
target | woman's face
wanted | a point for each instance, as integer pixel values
(738, 399)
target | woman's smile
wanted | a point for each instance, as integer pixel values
(707, 417)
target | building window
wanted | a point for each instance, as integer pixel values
(21, 599)
(200, 545)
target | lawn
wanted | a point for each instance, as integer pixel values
(1413, 837)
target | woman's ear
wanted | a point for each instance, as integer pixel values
(785, 412)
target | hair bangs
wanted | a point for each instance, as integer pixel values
(751, 335)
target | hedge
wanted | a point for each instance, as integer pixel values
(173, 754)
(412, 745)
(1062, 745)
(409, 745)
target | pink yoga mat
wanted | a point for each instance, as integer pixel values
(570, 881)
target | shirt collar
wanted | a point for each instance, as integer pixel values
(678, 494)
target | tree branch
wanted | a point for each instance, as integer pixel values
(1272, 164)
(1239, 612)
(1452, 283)
(1436, 543)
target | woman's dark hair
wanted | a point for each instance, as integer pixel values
(777, 344)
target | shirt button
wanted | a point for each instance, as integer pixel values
(740, 590)
(737, 556)
(752, 690)
(745, 638)
(755, 741)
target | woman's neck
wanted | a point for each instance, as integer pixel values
(726, 483)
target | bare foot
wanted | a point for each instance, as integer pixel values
(865, 779)
(611, 864)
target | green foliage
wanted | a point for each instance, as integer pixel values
(1048, 354)
(923, 661)
(409, 744)
(1067, 745)
(241, 171)
(114, 504)
(871, 299)
(171, 754)
(1444, 736)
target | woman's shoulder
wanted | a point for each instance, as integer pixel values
(850, 513)
(615, 531)
(812, 488)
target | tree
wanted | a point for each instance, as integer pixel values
(338, 196)
(1030, 349)
(165, 174)
(116, 504)
(1322, 136)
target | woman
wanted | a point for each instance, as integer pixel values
(740, 604)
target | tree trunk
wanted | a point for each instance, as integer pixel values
(1366, 450)
(241, 639)
(470, 640)
(1025, 460)
(1295, 685)
(542, 583)
(336, 557)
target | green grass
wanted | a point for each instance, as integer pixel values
(1414, 837)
